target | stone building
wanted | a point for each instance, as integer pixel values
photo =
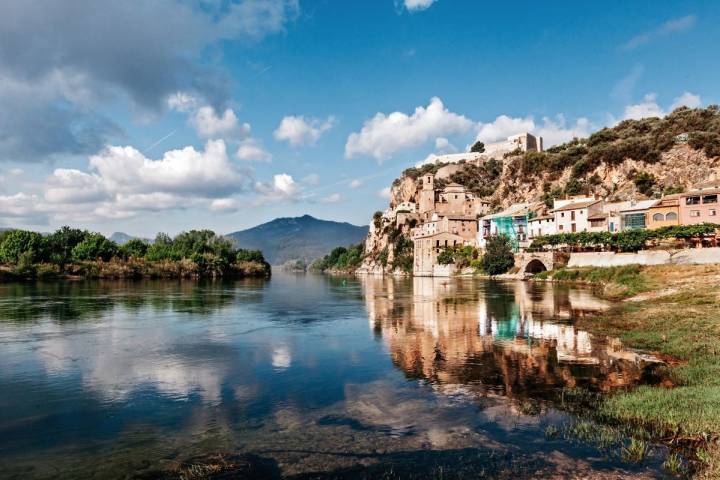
(523, 142)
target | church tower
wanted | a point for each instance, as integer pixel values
(427, 194)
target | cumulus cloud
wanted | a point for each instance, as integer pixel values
(283, 188)
(223, 205)
(250, 149)
(299, 130)
(553, 130)
(649, 106)
(357, 183)
(312, 179)
(417, 5)
(687, 99)
(674, 25)
(383, 135)
(211, 125)
(61, 69)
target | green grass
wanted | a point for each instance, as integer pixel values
(685, 326)
(624, 281)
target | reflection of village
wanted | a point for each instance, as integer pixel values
(510, 339)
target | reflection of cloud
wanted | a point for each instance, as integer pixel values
(281, 357)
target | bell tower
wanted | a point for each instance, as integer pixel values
(427, 194)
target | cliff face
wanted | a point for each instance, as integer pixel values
(635, 159)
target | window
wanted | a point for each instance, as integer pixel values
(712, 212)
(658, 217)
(694, 213)
(562, 214)
(710, 199)
(560, 228)
(692, 201)
(573, 228)
(572, 215)
(671, 216)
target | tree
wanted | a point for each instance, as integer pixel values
(499, 257)
(478, 147)
(135, 248)
(249, 256)
(18, 244)
(62, 242)
(95, 246)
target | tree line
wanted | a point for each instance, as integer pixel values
(74, 251)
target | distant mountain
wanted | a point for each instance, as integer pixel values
(122, 238)
(305, 238)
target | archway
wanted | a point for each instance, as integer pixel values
(535, 266)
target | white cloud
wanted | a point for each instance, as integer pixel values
(647, 108)
(385, 193)
(16, 172)
(357, 183)
(74, 186)
(553, 130)
(211, 125)
(383, 135)
(20, 205)
(674, 25)
(298, 130)
(251, 149)
(283, 188)
(182, 102)
(502, 127)
(223, 205)
(418, 5)
(687, 99)
(443, 145)
(332, 198)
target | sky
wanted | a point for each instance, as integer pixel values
(173, 115)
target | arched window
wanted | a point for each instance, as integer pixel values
(658, 217)
(671, 216)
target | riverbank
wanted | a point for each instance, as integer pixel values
(675, 311)
(131, 268)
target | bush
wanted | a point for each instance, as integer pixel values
(95, 246)
(499, 257)
(18, 244)
(134, 248)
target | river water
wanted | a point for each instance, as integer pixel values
(305, 376)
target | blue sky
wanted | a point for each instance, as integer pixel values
(178, 114)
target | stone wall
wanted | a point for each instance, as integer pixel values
(645, 257)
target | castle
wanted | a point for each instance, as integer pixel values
(524, 142)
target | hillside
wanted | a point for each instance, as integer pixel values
(122, 238)
(634, 159)
(305, 238)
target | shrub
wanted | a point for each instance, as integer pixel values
(134, 248)
(498, 257)
(24, 244)
(95, 246)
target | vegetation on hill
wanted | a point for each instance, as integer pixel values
(642, 140)
(301, 238)
(340, 259)
(74, 252)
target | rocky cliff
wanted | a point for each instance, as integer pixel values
(635, 159)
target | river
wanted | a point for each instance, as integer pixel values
(306, 376)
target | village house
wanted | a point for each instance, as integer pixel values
(541, 226)
(512, 222)
(700, 205)
(664, 213)
(454, 199)
(573, 214)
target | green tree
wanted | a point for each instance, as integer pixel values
(62, 242)
(134, 248)
(478, 147)
(249, 256)
(22, 243)
(499, 257)
(95, 246)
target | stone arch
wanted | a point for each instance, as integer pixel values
(535, 265)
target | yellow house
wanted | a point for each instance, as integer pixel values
(664, 213)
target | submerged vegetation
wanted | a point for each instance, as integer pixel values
(79, 253)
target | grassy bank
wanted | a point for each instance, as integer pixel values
(615, 282)
(675, 311)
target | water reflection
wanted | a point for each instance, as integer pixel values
(511, 339)
(108, 379)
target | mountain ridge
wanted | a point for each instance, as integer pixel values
(297, 238)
